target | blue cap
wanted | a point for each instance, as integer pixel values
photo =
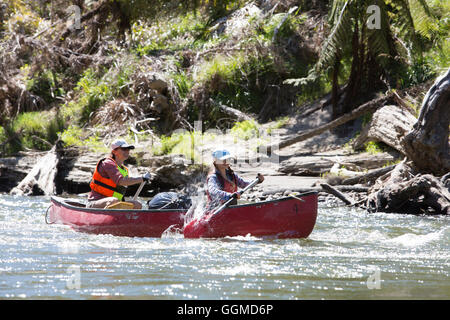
(221, 155)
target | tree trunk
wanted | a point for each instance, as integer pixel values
(354, 79)
(335, 90)
(427, 145)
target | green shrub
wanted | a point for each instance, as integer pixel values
(186, 143)
(245, 130)
(373, 147)
(76, 136)
(37, 130)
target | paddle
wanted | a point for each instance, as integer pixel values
(139, 190)
(127, 205)
(226, 204)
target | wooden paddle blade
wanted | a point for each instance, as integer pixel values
(121, 205)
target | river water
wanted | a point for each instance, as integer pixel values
(350, 255)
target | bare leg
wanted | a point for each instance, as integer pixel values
(102, 203)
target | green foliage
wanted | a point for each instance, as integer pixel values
(45, 85)
(373, 147)
(280, 122)
(183, 82)
(186, 143)
(237, 81)
(76, 136)
(174, 34)
(95, 89)
(220, 67)
(401, 21)
(9, 140)
(285, 28)
(245, 130)
(37, 130)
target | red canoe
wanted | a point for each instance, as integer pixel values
(289, 217)
(284, 218)
(118, 222)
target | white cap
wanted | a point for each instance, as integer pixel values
(120, 143)
(221, 154)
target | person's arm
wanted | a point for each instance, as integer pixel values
(241, 183)
(110, 168)
(128, 181)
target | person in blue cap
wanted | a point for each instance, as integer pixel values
(222, 183)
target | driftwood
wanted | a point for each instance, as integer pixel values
(285, 191)
(41, 179)
(368, 177)
(326, 187)
(361, 110)
(316, 166)
(389, 124)
(427, 145)
(234, 113)
(405, 191)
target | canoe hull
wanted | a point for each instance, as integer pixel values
(283, 218)
(129, 223)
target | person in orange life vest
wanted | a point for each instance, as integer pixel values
(111, 178)
(222, 183)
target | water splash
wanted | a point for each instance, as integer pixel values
(416, 240)
(197, 210)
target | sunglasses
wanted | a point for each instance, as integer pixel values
(226, 161)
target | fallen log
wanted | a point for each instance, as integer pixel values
(285, 191)
(369, 177)
(405, 191)
(326, 187)
(389, 125)
(41, 179)
(361, 110)
(234, 113)
(319, 165)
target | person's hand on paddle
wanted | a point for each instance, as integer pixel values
(236, 195)
(260, 178)
(146, 177)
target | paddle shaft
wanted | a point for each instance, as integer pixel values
(226, 204)
(139, 190)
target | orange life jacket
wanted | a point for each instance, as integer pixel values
(106, 186)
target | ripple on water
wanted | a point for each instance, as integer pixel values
(347, 246)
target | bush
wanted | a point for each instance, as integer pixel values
(245, 130)
(76, 136)
(37, 130)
